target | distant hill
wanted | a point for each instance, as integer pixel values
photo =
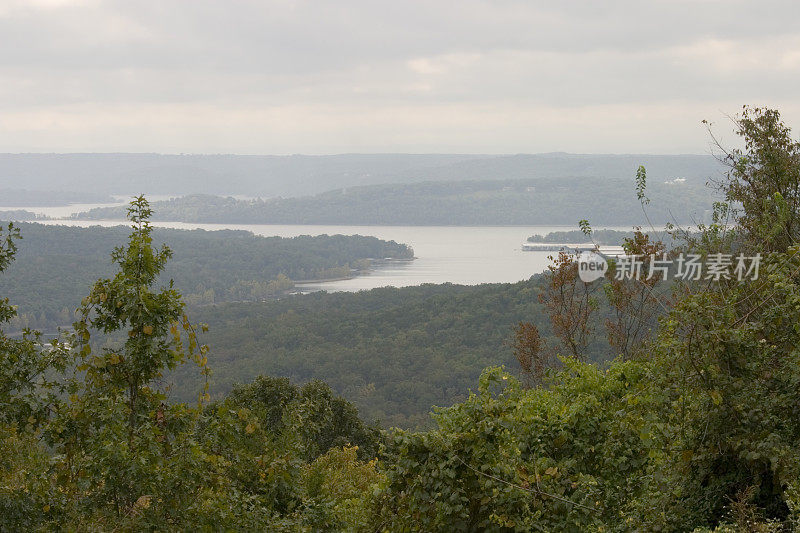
(297, 175)
(541, 201)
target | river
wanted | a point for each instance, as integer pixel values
(468, 255)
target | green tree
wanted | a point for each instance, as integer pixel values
(121, 447)
(28, 391)
(24, 362)
(727, 364)
(763, 184)
(319, 418)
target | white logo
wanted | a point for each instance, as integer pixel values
(591, 266)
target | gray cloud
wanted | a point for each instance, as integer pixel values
(471, 76)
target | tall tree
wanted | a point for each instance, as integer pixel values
(24, 362)
(120, 443)
(636, 302)
(570, 303)
(764, 180)
(531, 354)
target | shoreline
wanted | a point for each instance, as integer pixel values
(376, 264)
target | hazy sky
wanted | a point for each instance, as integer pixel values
(273, 77)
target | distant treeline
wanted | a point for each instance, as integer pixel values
(496, 202)
(56, 264)
(600, 236)
(298, 175)
(18, 214)
(603, 237)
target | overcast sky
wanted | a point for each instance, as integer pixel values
(276, 77)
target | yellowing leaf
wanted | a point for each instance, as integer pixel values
(143, 502)
(147, 330)
(716, 397)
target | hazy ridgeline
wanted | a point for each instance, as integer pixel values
(90, 175)
(546, 201)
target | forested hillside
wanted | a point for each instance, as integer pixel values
(393, 352)
(57, 263)
(549, 201)
(640, 404)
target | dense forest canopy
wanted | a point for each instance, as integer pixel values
(393, 352)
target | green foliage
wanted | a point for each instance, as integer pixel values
(25, 388)
(342, 485)
(121, 450)
(727, 380)
(583, 235)
(393, 352)
(764, 180)
(313, 413)
(698, 432)
(515, 459)
(286, 452)
(641, 185)
(119, 455)
(695, 431)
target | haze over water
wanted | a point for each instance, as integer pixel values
(468, 255)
